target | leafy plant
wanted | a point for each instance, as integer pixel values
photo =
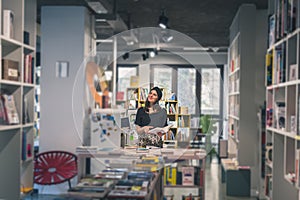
(205, 121)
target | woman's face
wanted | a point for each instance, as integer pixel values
(152, 96)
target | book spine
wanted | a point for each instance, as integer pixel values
(24, 145)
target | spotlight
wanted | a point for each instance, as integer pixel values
(163, 20)
(152, 53)
(125, 56)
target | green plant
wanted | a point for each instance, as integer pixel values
(205, 121)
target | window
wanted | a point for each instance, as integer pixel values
(210, 91)
(186, 87)
(124, 74)
(163, 77)
(175, 79)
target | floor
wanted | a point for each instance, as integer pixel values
(214, 190)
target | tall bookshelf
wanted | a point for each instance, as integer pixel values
(282, 101)
(16, 140)
(245, 88)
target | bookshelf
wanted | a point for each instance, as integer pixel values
(282, 101)
(245, 89)
(17, 84)
(136, 97)
(181, 120)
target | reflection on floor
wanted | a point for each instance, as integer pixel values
(214, 189)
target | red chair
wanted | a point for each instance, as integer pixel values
(54, 167)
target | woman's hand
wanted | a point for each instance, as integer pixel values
(147, 128)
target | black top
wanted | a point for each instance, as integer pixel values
(155, 119)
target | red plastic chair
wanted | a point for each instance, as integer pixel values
(54, 167)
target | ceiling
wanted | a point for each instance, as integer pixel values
(206, 21)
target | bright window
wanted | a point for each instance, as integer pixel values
(210, 91)
(124, 74)
(186, 88)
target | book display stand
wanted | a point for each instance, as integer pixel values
(142, 175)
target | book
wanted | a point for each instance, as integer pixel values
(272, 22)
(3, 119)
(269, 69)
(134, 81)
(10, 70)
(24, 143)
(162, 130)
(188, 175)
(8, 23)
(293, 72)
(10, 109)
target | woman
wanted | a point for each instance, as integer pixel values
(151, 116)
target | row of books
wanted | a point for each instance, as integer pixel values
(170, 107)
(28, 68)
(284, 20)
(183, 175)
(116, 183)
(275, 67)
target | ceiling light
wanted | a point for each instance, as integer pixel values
(152, 53)
(163, 20)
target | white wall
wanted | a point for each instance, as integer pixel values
(63, 101)
(62, 31)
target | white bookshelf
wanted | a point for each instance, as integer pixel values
(16, 171)
(282, 102)
(245, 88)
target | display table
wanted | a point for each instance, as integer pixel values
(235, 176)
(127, 157)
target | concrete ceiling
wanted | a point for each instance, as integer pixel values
(206, 21)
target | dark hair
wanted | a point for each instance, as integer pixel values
(159, 95)
(158, 91)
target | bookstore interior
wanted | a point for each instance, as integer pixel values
(73, 104)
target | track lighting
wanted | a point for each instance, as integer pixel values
(163, 20)
(145, 56)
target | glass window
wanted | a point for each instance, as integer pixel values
(163, 77)
(187, 95)
(124, 74)
(210, 91)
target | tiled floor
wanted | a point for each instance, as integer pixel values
(214, 189)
